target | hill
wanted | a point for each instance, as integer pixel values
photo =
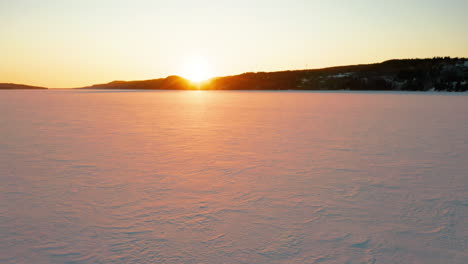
(12, 86)
(439, 74)
(169, 83)
(435, 74)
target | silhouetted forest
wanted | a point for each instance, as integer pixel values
(435, 74)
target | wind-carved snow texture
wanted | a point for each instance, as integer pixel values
(233, 177)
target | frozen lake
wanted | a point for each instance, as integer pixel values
(233, 177)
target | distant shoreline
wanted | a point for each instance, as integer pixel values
(97, 90)
(12, 86)
(439, 74)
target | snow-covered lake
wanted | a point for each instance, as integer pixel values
(233, 177)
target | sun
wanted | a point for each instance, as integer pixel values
(197, 69)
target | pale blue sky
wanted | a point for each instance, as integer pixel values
(64, 43)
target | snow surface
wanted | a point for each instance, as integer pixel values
(342, 75)
(233, 177)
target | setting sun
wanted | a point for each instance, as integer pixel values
(197, 69)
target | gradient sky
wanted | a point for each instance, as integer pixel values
(71, 43)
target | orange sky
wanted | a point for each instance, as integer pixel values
(77, 43)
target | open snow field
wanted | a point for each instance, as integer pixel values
(233, 177)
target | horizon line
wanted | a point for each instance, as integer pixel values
(214, 77)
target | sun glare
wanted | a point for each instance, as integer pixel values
(197, 70)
